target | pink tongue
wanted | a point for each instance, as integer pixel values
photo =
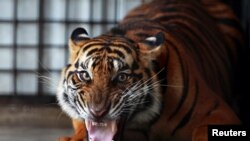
(101, 131)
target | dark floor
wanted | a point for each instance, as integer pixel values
(33, 123)
(32, 134)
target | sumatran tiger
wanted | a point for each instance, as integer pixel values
(163, 73)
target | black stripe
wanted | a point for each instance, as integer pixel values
(147, 71)
(138, 76)
(196, 12)
(77, 64)
(117, 31)
(161, 74)
(65, 97)
(143, 35)
(135, 66)
(177, 16)
(77, 53)
(126, 48)
(106, 48)
(96, 62)
(69, 74)
(156, 66)
(239, 46)
(67, 67)
(189, 38)
(81, 101)
(216, 105)
(92, 51)
(200, 49)
(185, 79)
(124, 67)
(137, 26)
(169, 9)
(230, 22)
(148, 99)
(74, 81)
(83, 65)
(78, 104)
(92, 45)
(188, 115)
(119, 53)
(194, 47)
(69, 87)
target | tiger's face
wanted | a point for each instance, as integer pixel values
(110, 80)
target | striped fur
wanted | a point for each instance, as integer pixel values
(177, 58)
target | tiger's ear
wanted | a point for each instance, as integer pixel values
(77, 39)
(151, 46)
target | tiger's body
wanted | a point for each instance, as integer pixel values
(164, 73)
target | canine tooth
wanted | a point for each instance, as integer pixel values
(87, 124)
(113, 126)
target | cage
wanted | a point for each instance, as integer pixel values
(34, 36)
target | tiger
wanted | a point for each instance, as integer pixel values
(162, 73)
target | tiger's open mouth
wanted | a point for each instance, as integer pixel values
(105, 130)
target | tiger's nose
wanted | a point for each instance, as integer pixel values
(98, 113)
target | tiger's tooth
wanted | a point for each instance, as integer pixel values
(103, 124)
(94, 123)
(113, 126)
(87, 124)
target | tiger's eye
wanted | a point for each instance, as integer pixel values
(122, 77)
(84, 76)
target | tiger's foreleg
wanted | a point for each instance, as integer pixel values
(222, 116)
(80, 133)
